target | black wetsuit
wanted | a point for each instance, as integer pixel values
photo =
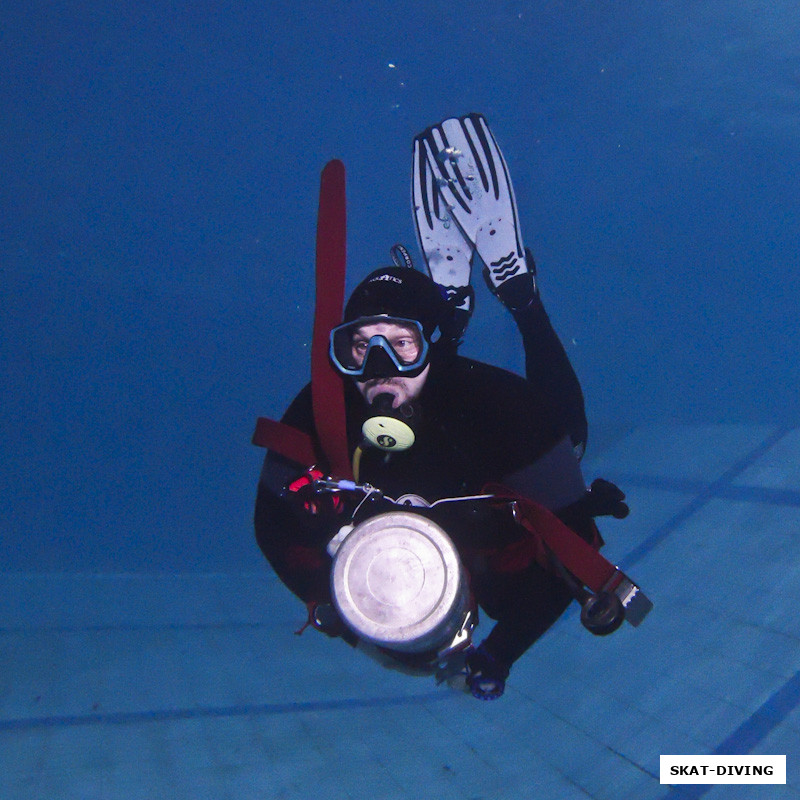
(478, 424)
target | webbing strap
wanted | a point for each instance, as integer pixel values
(577, 555)
(286, 440)
(327, 391)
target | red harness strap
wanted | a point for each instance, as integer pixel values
(577, 555)
(284, 439)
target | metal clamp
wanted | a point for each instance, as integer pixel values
(635, 602)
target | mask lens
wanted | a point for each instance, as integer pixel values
(405, 344)
(401, 340)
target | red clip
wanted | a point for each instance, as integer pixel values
(314, 502)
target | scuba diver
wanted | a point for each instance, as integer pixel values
(434, 429)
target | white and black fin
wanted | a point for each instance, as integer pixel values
(448, 255)
(461, 181)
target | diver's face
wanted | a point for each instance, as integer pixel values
(406, 343)
(403, 339)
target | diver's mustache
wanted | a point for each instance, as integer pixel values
(381, 382)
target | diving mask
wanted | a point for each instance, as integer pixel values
(379, 346)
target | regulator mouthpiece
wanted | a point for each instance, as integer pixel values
(390, 429)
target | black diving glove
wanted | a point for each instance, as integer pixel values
(486, 676)
(604, 499)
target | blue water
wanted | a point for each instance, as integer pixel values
(160, 177)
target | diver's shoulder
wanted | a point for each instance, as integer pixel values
(300, 411)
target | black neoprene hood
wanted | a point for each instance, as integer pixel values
(398, 292)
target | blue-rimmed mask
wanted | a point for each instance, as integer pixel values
(379, 346)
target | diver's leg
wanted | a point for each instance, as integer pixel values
(547, 365)
(525, 605)
(466, 215)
